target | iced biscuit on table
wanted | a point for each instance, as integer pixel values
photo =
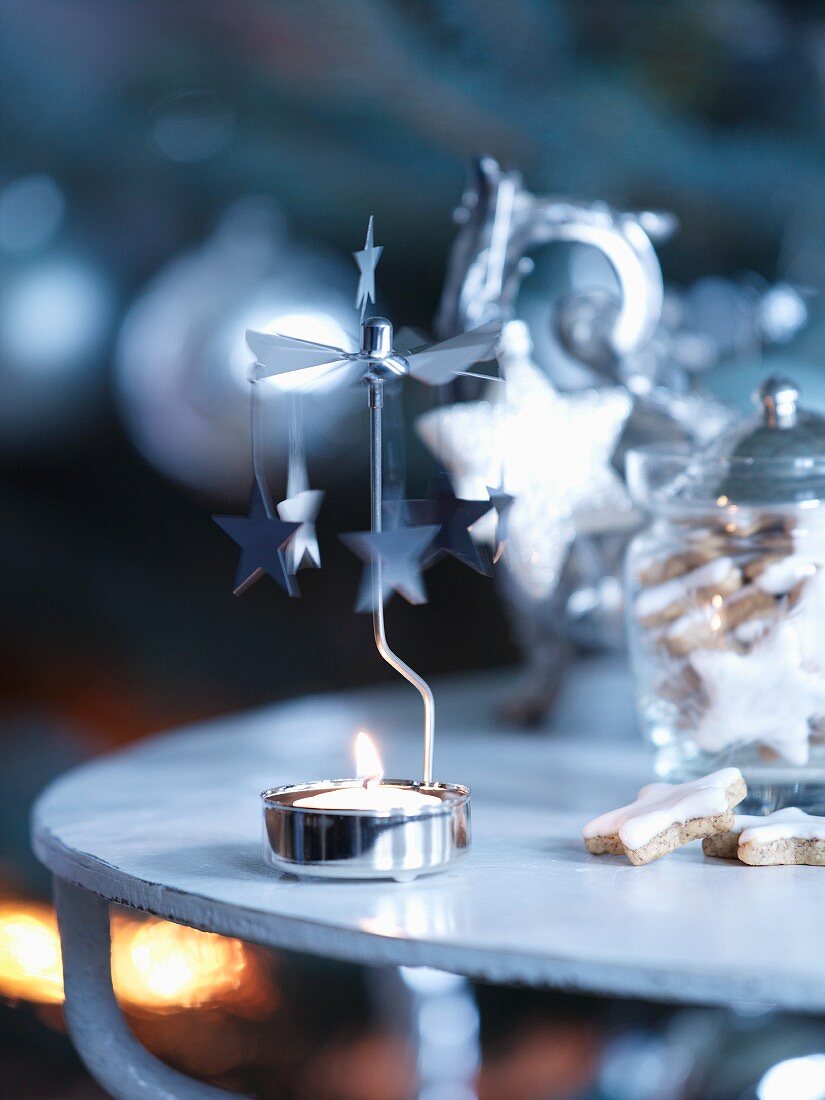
(726, 845)
(666, 816)
(796, 838)
(667, 601)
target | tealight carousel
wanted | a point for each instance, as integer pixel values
(369, 826)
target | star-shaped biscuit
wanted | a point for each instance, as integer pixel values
(764, 695)
(665, 816)
(549, 450)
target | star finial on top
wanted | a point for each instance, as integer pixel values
(367, 260)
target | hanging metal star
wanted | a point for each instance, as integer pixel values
(302, 551)
(399, 553)
(263, 542)
(453, 517)
(553, 453)
(502, 502)
(367, 260)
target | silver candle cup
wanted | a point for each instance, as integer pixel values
(365, 844)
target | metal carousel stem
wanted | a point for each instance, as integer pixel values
(376, 405)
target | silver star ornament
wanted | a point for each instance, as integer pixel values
(398, 553)
(502, 503)
(367, 261)
(302, 550)
(548, 450)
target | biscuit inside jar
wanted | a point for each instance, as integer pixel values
(726, 600)
(728, 596)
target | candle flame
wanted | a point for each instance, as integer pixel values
(368, 766)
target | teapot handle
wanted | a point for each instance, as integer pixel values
(503, 222)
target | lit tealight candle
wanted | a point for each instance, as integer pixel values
(369, 794)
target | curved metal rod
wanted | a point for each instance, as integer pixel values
(376, 400)
(111, 1053)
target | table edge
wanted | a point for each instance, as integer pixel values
(299, 934)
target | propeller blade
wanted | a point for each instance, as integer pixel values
(438, 364)
(407, 339)
(278, 354)
(316, 378)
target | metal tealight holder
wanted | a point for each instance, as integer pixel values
(422, 834)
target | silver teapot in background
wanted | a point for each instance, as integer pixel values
(604, 319)
(502, 223)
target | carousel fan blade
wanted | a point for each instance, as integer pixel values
(408, 340)
(438, 364)
(278, 354)
(308, 378)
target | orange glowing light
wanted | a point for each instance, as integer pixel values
(165, 967)
(156, 966)
(30, 966)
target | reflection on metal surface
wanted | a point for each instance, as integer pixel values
(408, 914)
(446, 1021)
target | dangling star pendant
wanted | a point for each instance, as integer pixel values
(264, 543)
(302, 508)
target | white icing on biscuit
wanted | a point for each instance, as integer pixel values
(781, 576)
(763, 696)
(655, 600)
(752, 630)
(660, 805)
(807, 620)
(788, 824)
(753, 821)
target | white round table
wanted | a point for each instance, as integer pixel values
(172, 827)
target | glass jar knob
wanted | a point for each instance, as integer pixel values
(779, 398)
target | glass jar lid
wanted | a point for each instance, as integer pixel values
(775, 459)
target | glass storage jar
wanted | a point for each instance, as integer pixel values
(726, 604)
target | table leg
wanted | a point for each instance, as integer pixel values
(98, 1029)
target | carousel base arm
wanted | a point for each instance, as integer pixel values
(99, 1031)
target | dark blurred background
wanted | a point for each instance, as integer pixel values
(173, 171)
